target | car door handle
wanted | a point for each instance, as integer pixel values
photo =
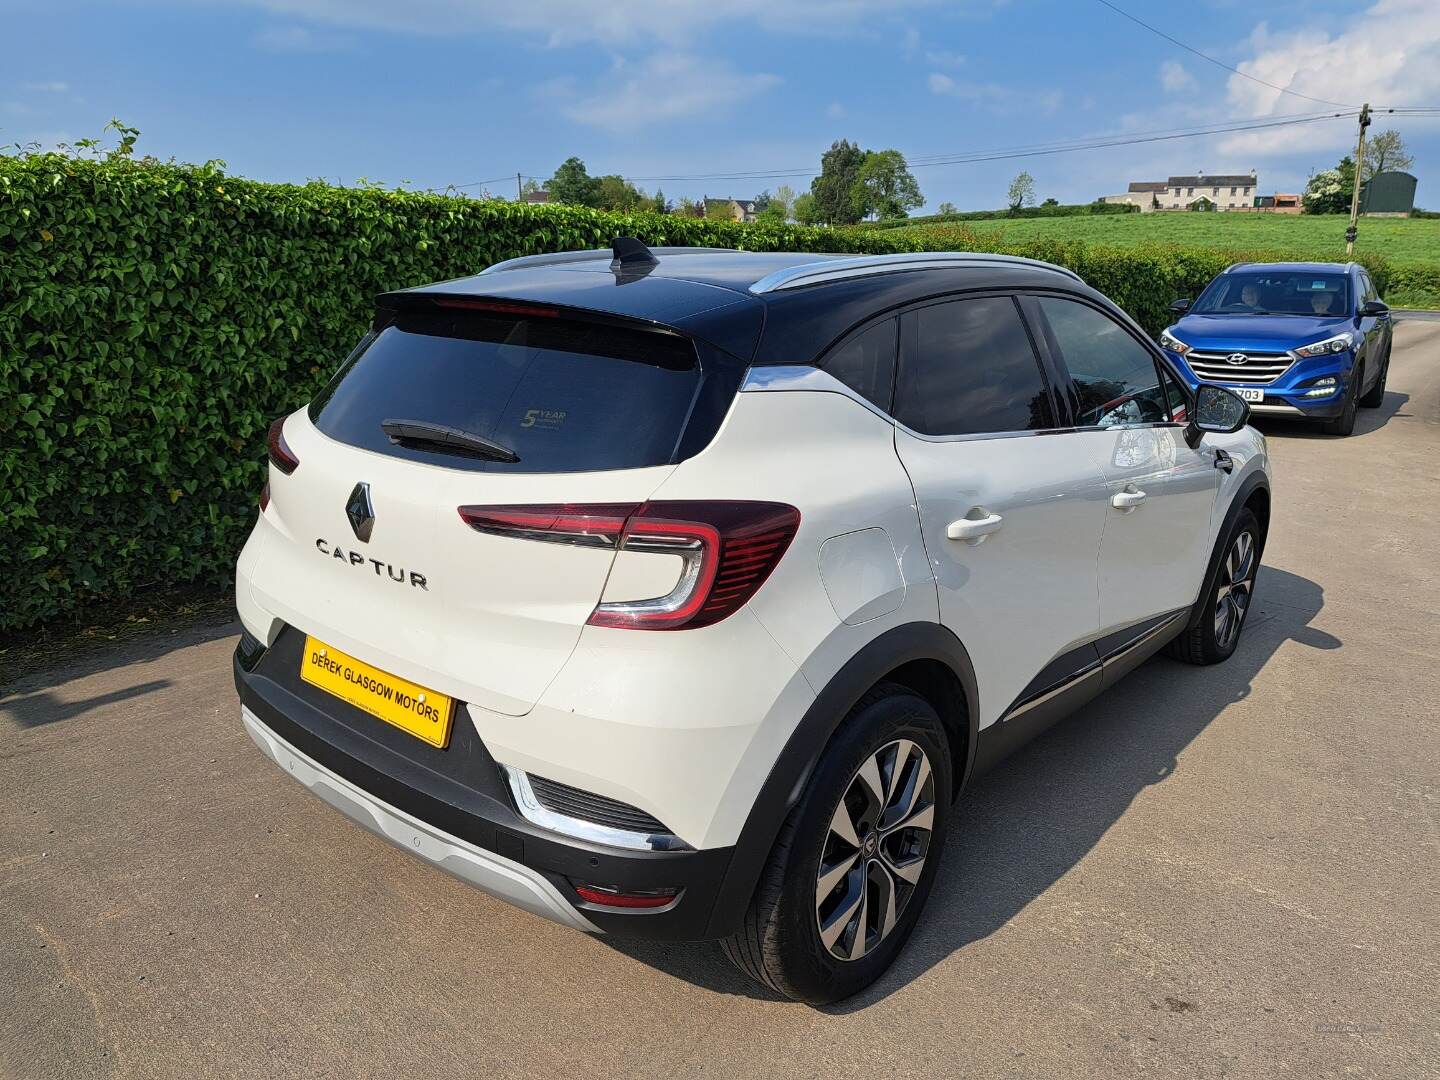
(1224, 461)
(1127, 500)
(974, 529)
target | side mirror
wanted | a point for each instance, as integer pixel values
(1374, 309)
(1216, 409)
(1182, 305)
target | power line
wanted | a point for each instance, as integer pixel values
(1036, 150)
(1218, 63)
(482, 183)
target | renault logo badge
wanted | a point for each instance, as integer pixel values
(1237, 358)
(361, 512)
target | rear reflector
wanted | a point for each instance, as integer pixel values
(727, 550)
(281, 456)
(604, 896)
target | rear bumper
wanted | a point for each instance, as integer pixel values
(453, 808)
(501, 877)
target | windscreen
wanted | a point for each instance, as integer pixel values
(559, 394)
(1276, 292)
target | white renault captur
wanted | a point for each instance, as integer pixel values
(679, 593)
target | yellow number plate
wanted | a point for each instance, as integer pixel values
(423, 713)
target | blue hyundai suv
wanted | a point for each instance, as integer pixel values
(1304, 340)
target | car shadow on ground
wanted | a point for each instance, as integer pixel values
(66, 661)
(1025, 825)
(1366, 421)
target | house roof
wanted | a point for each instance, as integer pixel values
(1147, 185)
(1220, 180)
(727, 199)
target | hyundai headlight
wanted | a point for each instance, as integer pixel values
(1171, 342)
(1338, 343)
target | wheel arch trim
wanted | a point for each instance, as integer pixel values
(788, 777)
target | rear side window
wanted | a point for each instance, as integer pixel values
(866, 362)
(971, 370)
(1115, 378)
(564, 395)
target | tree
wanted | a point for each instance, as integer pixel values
(833, 191)
(719, 209)
(804, 209)
(572, 184)
(948, 208)
(1329, 191)
(616, 193)
(688, 208)
(1051, 202)
(1022, 191)
(784, 198)
(885, 187)
(658, 204)
(530, 187)
(1386, 152)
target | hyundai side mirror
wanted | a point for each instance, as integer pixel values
(1217, 410)
(1374, 309)
(1182, 305)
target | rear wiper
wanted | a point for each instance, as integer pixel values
(423, 435)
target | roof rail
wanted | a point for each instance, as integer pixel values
(813, 273)
(525, 262)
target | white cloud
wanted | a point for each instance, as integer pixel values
(913, 46)
(994, 96)
(1174, 79)
(55, 87)
(1387, 55)
(299, 39)
(664, 87)
(563, 22)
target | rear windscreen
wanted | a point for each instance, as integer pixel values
(564, 395)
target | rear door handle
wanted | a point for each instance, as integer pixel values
(974, 529)
(1127, 500)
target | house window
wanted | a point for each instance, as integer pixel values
(1215, 191)
(1190, 191)
(1232, 191)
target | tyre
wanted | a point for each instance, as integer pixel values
(1344, 424)
(1376, 395)
(1214, 628)
(855, 860)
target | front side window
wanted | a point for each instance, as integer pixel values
(971, 370)
(1116, 381)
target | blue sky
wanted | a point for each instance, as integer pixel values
(442, 92)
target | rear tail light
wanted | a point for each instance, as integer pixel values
(281, 456)
(727, 550)
(607, 896)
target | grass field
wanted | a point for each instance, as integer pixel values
(1412, 245)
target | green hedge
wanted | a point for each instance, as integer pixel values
(155, 318)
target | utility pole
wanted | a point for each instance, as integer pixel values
(519, 191)
(1359, 170)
